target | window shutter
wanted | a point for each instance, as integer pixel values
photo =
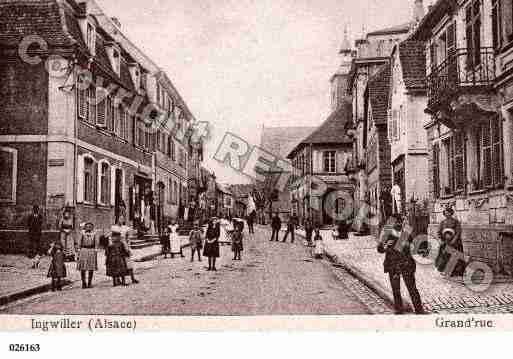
(432, 55)
(123, 184)
(497, 151)
(495, 24)
(98, 177)
(80, 179)
(101, 113)
(436, 170)
(81, 102)
(459, 162)
(451, 52)
(487, 156)
(112, 185)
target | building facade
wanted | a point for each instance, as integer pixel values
(80, 120)
(320, 186)
(406, 119)
(470, 100)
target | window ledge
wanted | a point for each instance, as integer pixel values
(478, 191)
(447, 196)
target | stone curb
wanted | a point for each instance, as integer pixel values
(12, 297)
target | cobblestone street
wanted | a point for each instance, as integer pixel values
(272, 278)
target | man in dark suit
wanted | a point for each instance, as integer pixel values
(395, 243)
(276, 226)
(35, 228)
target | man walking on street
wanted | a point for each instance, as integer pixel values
(291, 228)
(35, 228)
(276, 226)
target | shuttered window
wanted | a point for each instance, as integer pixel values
(436, 170)
(91, 99)
(473, 33)
(497, 152)
(81, 98)
(459, 162)
(101, 110)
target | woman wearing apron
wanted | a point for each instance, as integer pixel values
(174, 240)
(67, 242)
(87, 255)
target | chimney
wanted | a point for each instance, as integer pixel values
(116, 22)
(418, 11)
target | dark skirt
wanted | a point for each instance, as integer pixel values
(237, 246)
(211, 249)
(116, 264)
(57, 267)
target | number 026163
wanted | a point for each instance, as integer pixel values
(24, 347)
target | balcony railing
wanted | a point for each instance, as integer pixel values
(465, 70)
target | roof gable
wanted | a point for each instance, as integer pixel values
(332, 131)
(281, 140)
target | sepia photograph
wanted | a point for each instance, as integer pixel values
(168, 159)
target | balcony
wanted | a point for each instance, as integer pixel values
(461, 87)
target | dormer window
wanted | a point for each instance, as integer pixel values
(91, 38)
(116, 61)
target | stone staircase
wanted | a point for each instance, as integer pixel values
(147, 240)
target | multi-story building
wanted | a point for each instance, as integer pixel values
(278, 141)
(470, 100)
(79, 110)
(406, 119)
(375, 140)
(372, 52)
(319, 180)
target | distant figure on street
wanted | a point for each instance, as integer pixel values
(395, 243)
(87, 256)
(115, 258)
(126, 244)
(211, 249)
(291, 229)
(196, 241)
(237, 245)
(342, 229)
(251, 222)
(449, 233)
(319, 244)
(66, 234)
(276, 227)
(309, 231)
(57, 270)
(174, 240)
(35, 228)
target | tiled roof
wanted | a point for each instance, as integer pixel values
(44, 18)
(412, 55)
(331, 131)
(379, 87)
(281, 140)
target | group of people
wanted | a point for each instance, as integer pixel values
(395, 243)
(83, 250)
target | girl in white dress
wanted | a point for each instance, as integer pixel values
(174, 239)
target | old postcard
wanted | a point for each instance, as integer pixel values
(240, 164)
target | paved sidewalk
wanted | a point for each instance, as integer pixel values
(439, 294)
(18, 278)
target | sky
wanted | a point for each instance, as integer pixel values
(245, 64)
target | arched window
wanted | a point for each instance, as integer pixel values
(104, 177)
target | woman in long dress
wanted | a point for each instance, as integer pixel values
(66, 236)
(211, 249)
(87, 255)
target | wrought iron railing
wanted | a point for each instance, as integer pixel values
(465, 69)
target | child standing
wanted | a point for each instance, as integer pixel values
(115, 258)
(57, 269)
(319, 247)
(237, 246)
